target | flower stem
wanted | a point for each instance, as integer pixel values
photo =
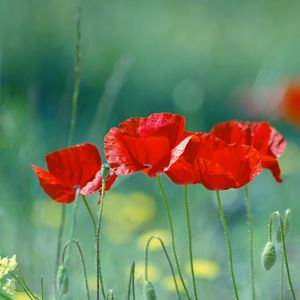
(82, 263)
(173, 236)
(131, 282)
(42, 289)
(222, 217)
(250, 237)
(76, 88)
(281, 276)
(89, 211)
(190, 239)
(98, 261)
(167, 257)
(285, 257)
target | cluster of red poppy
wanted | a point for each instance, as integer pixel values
(230, 156)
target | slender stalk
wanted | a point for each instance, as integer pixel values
(98, 262)
(24, 287)
(131, 282)
(89, 211)
(188, 221)
(76, 88)
(173, 236)
(285, 258)
(59, 242)
(281, 276)
(167, 257)
(82, 263)
(250, 237)
(73, 225)
(222, 217)
(42, 289)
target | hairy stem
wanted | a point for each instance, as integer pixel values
(98, 261)
(76, 88)
(188, 221)
(89, 211)
(222, 217)
(250, 237)
(173, 236)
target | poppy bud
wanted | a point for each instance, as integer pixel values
(62, 279)
(269, 256)
(149, 292)
(105, 171)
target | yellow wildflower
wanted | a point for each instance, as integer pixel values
(204, 268)
(7, 265)
(10, 286)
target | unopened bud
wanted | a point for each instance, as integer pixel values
(105, 171)
(149, 292)
(62, 280)
(269, 256)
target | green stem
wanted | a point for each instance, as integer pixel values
(188, 221)
(250, 237)
(285, 257)
(281, 276)
(173, 236)
(168, 259)
(98, 262)
(89, 211)
(82, 263)
(24, 287)
(76, 88)
(59, 242)
(222, 217)
(42, 288)
(131, 282)
(73, 225)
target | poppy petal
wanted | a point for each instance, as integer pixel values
(205, 159)
(76, 165)
(265, 139)
(54, 187)
(96, 184)
(144, 144)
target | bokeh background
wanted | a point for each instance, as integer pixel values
(208, 60)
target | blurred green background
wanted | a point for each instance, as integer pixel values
(195, 58)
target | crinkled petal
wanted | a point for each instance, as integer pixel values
(76, 165)
(127, 154)
(157, 124)
(96, 184)
(53, 187)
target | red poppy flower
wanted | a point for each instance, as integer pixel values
(203, 158)
(144, 144)
(290, 107)
(265, 139)
(69, 169)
